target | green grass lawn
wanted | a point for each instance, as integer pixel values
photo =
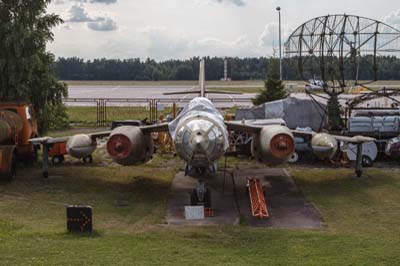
(86, 116)
(361, 220)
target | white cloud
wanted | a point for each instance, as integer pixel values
(97, 22)
(103, 24)
(107, 2)
(269, 38)
(77, 14)
(228, 2)
(235, 2)
(163, 44)
(393, 19)
(192, 27)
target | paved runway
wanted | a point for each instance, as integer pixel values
(156, 92)
(151, 92)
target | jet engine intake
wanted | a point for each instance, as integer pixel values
(274, 145)
(128, 145)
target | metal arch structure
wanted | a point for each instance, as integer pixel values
(331, 47)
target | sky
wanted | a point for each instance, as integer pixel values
(180, 29)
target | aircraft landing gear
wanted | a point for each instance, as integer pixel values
(359, 161)
(201, 195)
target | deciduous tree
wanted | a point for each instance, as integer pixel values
(25, 64)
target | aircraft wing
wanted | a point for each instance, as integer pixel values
(242, 127)
(96, 135)
(252, 126)
(354, 140)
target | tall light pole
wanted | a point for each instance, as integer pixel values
(280, 43)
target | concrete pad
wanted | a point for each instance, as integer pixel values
(286, 204)
(225, 209)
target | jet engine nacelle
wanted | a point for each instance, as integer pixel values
(81, 146)
(128, 145)
(274, 145)
(324, 146)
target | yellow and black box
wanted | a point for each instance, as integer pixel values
(79, 218)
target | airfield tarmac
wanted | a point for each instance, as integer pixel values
(123, 92)
(152, 92)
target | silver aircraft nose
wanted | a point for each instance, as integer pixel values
(199, 142)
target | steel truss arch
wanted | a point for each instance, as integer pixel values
(339, 49)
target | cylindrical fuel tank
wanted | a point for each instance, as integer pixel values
(10, 125)
(324, 146)
(80, 146)
(274, 145)
(127, 145)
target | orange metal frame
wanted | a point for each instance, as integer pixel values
(257, 199)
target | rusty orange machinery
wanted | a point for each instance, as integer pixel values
(17, 126)
(57, 152)
(257, 199)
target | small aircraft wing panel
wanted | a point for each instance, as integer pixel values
(242, 127)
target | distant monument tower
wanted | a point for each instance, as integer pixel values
(225, 78)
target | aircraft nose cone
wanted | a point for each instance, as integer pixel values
(199, 143)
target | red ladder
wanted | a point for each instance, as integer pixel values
(257, 199)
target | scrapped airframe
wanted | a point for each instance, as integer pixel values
(200, 135)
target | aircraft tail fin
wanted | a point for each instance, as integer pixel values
(201, 90)
(202, 79)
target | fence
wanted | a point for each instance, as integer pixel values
(153, 105)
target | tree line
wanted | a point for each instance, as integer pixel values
(74, 68)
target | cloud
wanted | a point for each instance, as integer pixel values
(234, 2)
(393, 19)
(107, 2)
(77, 14)
(162, 44)
(100, 22)
(103, 24)
(269, 38)
(270, 35)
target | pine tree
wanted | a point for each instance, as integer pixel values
(25, 65)
(273, 86)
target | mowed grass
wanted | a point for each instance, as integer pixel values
(360, 220)
(87, 115)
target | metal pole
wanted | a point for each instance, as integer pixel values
(280, 43)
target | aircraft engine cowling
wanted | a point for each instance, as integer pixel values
(274, 145)
(81, 146)
(324, 146)
(128, 145)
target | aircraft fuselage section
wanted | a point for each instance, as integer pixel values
(199, 134)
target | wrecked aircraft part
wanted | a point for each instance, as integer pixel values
(324, 146)
(274, 145)
(81, 146)
(10, 125)
(128, 145)
(199, 140)
(393, 148)
(199, 133)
